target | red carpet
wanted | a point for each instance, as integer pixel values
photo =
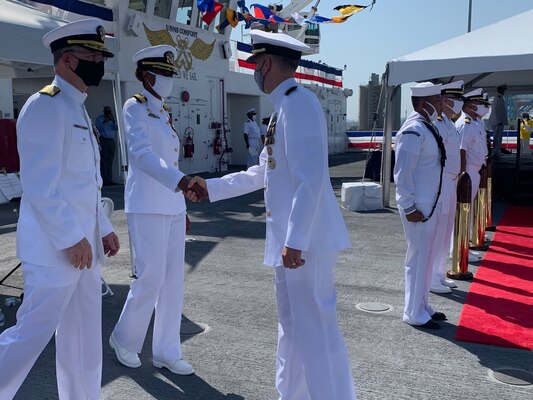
(499, 307)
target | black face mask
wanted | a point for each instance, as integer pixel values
(91, 73)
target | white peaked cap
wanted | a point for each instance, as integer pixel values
(425, 89)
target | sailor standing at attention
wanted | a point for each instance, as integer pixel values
(155, 208)
(304, 226)
(420, 158)
(473, 140)
(252, 138)
(452, 104)
(63, 233)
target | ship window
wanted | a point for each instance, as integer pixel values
(312, 30)
(162, 8)
(184, 12)
(138, 5)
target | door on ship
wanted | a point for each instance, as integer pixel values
(336, 127)
(191, 120)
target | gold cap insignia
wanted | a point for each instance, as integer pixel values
(169, 57)
(101, 32)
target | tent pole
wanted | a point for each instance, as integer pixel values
(117, 97)
(387, 144)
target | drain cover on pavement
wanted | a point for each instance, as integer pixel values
(511, 376)
(373, 307)
(192, 328)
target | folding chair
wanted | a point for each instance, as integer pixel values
(108, 206)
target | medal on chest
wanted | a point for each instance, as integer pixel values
(269, 140)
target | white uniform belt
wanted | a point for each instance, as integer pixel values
(447, 174)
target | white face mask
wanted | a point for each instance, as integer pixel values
(163, 85)
(433, 117)
(253, 117)
(457, 106)
(482, 110)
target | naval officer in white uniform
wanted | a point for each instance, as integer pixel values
(418, 170)
(155, 207)
(304, 226)
(452, 104)
(252, 138)
(473, 139)
(63, 233)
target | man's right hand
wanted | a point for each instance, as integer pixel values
(415, 216)
(81, 254)
(199, 181)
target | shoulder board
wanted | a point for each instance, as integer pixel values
(467, 120)
(290, 90)
(50, 90)
(167, 108)
(411, 133)
(439, 118)
(140, 98)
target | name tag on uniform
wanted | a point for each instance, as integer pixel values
(85, 128)
(151, 114)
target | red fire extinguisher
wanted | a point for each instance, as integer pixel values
(217, 143)
(188, 144)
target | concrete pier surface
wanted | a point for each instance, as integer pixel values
(230, 294)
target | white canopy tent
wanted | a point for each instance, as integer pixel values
(487, 57)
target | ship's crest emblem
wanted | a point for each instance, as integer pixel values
(198, 49)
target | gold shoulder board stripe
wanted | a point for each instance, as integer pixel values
(467, 120)
(140, 98)
(167, 108)
(50, 90)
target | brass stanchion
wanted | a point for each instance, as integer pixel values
(480, 213)
(461, 233)
(490, 171)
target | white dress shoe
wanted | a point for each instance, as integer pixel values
(439, 288)
(125, 357)
(449, 283)
(179, 367)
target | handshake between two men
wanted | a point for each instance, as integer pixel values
(194, 189)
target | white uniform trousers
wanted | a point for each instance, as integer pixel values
(420, 237)
(312, 361)
(445, 222)
(475, 178)
(253, 153)
(159, 243)
(65, 300)
(525, 150)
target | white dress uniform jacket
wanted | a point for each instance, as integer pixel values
(153, 146)
(302, 211)
(61, 200)
(417, 167)
(474, 142)
(417, 176)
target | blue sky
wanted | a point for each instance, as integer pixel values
(395, 28)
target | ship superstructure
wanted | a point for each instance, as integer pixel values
(211, 93)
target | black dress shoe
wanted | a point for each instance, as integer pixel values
(429, 325)
(439, 316)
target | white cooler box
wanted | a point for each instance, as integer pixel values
(361, 196)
